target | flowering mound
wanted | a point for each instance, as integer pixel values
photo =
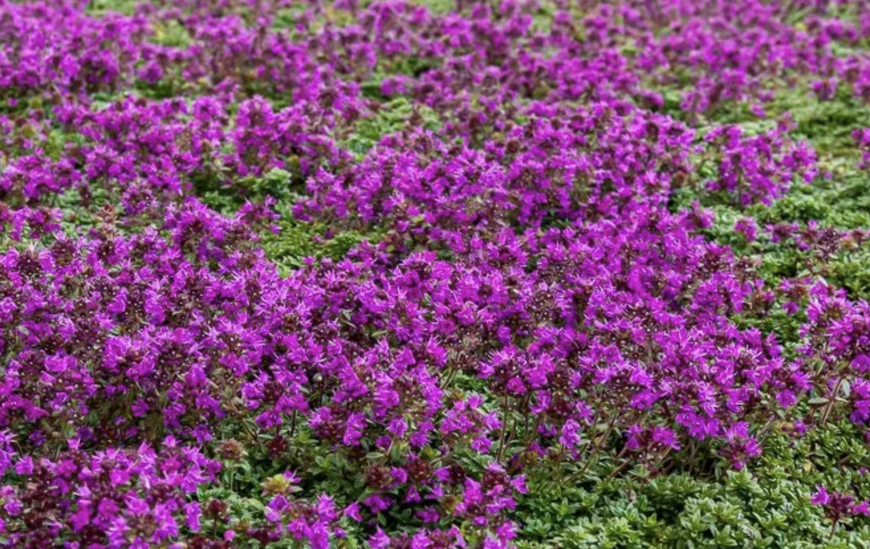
(394, 273)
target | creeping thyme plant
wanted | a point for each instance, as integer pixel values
(425, 274)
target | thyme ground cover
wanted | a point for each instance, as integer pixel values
(432, 274)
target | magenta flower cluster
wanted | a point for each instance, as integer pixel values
(532, 298)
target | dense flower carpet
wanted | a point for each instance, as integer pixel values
(425, 274)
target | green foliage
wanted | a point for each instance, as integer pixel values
(294, 240)
(838, 198)
(297, 240)
(828, 125)
(767, 506)
(391, 117)
(171, 34)
(101, 7)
